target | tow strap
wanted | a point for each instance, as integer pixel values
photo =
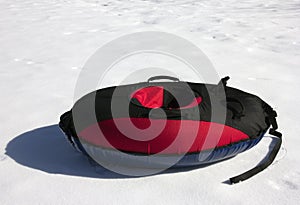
(272, 120)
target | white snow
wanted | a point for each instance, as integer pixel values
(43, 46)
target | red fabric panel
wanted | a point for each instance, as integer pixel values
(111, 137)
(150, 97)
(194, 103)
(153, 96)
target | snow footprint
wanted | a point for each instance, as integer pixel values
(2, 157)
(27, 61)
(274, 185)
(74, 68)
(290, 185)
(258, 78)
(291, 181)
(93, 30)
(68, 33)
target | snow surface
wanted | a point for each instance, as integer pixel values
(43, 46)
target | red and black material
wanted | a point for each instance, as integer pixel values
(247, 120)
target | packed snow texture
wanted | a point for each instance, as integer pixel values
(43, 47)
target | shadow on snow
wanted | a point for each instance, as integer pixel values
(46, 149)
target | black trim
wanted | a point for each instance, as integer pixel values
(65, 124)
(223, 81)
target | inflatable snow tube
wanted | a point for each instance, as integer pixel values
(203, 140)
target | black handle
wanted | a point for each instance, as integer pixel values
(162, 77)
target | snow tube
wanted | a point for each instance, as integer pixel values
(247, 119)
